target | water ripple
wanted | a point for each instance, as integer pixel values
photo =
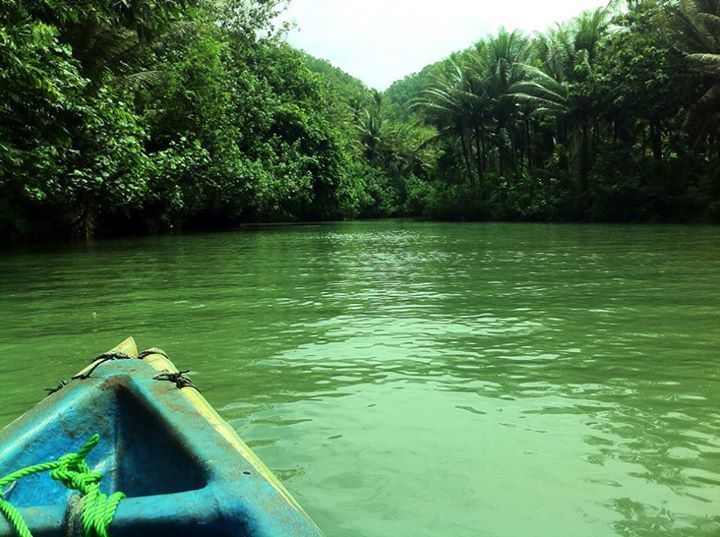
(415, 378)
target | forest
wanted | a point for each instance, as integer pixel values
(151, 116)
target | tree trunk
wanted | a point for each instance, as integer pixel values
(656, 140)
(501, 149)
(582, 185)
(478, 154)
(86, 224)
(528, 142)
(484, 150)
(467, 157)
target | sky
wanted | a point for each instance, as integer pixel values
(380, 41)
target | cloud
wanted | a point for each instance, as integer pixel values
(380, 41)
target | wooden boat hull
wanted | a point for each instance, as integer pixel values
(184, 470)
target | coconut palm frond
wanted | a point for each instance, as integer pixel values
(536, 91)
(705, 62)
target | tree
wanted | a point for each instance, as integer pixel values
(697, 25)
(494, 68)
(73, 147)
(446, 104)
(565, 87)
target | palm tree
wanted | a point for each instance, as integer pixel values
(371, 130)
(563, 85)
(447, 103)
(697, 23)
(467, 101)
(494, 67)
(397, 148)
(112, 40)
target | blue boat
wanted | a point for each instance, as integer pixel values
(136, 424)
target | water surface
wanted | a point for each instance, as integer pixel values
(418, 379)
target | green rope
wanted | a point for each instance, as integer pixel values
(98, 510)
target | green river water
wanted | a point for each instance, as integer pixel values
(419, 379)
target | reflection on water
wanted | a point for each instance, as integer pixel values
(420, 379)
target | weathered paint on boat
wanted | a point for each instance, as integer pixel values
(185, 471)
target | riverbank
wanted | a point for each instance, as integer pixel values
(226, 123)
(134, 229)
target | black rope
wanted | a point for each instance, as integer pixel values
(112, 355)
(179, 379)
(149, 352)
(57, 388)
(100, 360)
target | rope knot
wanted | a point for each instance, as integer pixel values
(179, 378)
(72, 471)
(80, 481)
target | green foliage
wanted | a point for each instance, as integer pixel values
(128, 117)
(68, 149)
(347, 89)
(172, 114)
(600, 118)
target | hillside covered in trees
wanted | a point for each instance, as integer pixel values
(140, 116)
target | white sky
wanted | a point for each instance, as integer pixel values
(380, 41)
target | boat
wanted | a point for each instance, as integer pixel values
(133, 443)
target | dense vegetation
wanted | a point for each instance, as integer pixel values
(612, 116)
(142, 115)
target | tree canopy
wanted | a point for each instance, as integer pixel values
(125, 117)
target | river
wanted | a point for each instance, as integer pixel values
(419, 379)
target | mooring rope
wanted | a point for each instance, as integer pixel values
(98, 509)
(104, 358)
